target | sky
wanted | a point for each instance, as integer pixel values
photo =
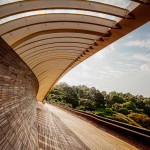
(123, 66)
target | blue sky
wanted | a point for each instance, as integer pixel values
(124, 66)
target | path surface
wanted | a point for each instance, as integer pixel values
(60, 130)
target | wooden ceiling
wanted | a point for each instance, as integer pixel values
(52, 43)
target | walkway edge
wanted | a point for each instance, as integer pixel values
(139, 138)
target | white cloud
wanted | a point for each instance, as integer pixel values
(145, 59)
(129, 36)
(145, 67)
(109, 49)
(84, 66)
(140, 43)
(142, 57)
(128, 66)
(110, 72)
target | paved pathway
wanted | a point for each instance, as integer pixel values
(60, 130)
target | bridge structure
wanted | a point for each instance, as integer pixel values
(41, 40)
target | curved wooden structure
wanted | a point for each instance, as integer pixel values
(40, 34)
(51, 37)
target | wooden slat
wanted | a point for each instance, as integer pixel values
(54, 134)
(73, 128)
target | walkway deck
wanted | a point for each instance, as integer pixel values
(60, 130)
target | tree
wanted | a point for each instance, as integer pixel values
(119, 108)
(117, 99)
(72, 100)
(133, 99)
(147, 110)
(129, 105)
(109, 101)
(141, 119)
(99, 100)
(124, 111)
(147, 101)
(81, 108)
(87, 103)
(116, 107)
(92, 90)
(84, 98)
(140, 104)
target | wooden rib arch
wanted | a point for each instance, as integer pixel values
(105, 21)
(54, 38)
(70, 5)
(52, 76)
(53, 44)
(55, 55)
(54, 72)
(60, 35)
(19, 34)
(44, 78)
(53, 47)
(77, 22)
(50, 68)
(141, 17)
(64, 59)
(50, 60)
(42, 69)
(52, 51)
(61, 75)
(57, 31)
(51, 63)
(64, 71)
(45, 71)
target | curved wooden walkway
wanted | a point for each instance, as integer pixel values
(60, 130)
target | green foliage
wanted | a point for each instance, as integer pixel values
(124, 111)
(138, 110)
(117, 99)
(147, 101)
(104, 112)
(129, 105)
(69, 98)
(141, 119)
(113, 105)
(99, 100)
(81, 108)
(140, 104)
(147, 110)
(56, 92)
(123, 118)
(116, 107)
(87, 103)
(68, 105)
(146, 123)
(119, 108)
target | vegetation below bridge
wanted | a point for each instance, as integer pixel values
(127, 108)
